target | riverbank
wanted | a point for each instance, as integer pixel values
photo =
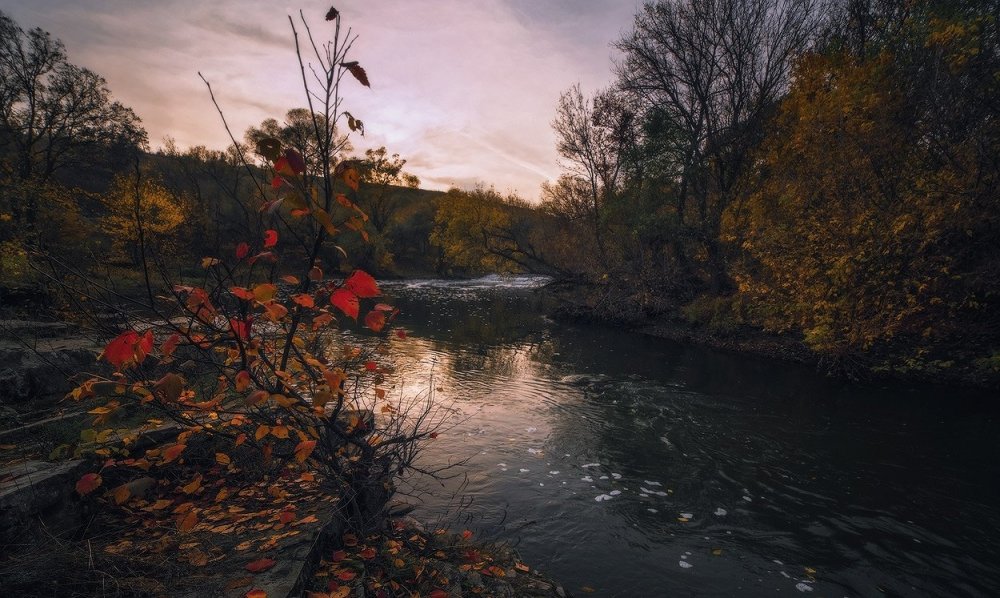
(673, 324)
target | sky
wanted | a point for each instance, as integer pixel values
(464, 90)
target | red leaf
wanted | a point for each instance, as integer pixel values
(295, 161)
(375, 320)
(270, 238)
(277, 182)
(260, 565)
(367, 554)
(242, 250)
(121, 348)
(346, 301)
(88, 483)
(371, 366)
(401, 333)
(332, 14)
(338, 555)
(362, 284)
(466, 535)
(439, 593)
(241, 328)
(281, 166)
(169, 345)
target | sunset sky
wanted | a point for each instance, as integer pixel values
(464, 90)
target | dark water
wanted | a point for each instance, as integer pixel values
(587, 447)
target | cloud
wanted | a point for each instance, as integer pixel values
(463, 90)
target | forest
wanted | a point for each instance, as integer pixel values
(824, 172)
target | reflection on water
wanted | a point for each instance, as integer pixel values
(639, 467)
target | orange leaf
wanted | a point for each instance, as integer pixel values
(260, 565)
(223, 459)
(242, 293)
(321, 320)
(367, 554)
(193, 486)
(172, 452)
(88, 483)
(315, 274)
(338, 555)
(270, 238)
(346, 301)
(362, 284)
(305, 300)
(275, 311)
(291, 279)
(187, 521)
(242, 380)
(262, 431)
(241, 438)
(280, 432)
(255, 593)
(375, 320)
(286, 516)
(439, 593)
(257, 398)
(304, 449)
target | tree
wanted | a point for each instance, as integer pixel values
(54, 114)
(874, 219)
(590, 145)
(298, 131)
(140, 210)
(705, 75)
(380, 172)
(277, 394)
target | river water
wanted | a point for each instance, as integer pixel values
(624, 465)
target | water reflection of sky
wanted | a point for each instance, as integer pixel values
(590, 448)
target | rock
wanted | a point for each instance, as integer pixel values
(44, 370)
(33, 490)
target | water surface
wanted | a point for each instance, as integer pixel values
(635, 466)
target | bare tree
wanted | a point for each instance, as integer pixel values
(706, 73)
(54, 114)
(590, 144)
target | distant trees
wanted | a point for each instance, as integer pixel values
(380, 172)
(54, 114)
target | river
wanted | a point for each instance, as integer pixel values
(625, 465)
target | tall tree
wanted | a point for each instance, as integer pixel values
(707, 73)
(54, 114)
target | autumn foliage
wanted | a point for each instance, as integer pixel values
(242, 369)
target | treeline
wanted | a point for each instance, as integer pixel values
(828, 170)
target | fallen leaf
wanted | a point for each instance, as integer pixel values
(260, 565)
(88, 483)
